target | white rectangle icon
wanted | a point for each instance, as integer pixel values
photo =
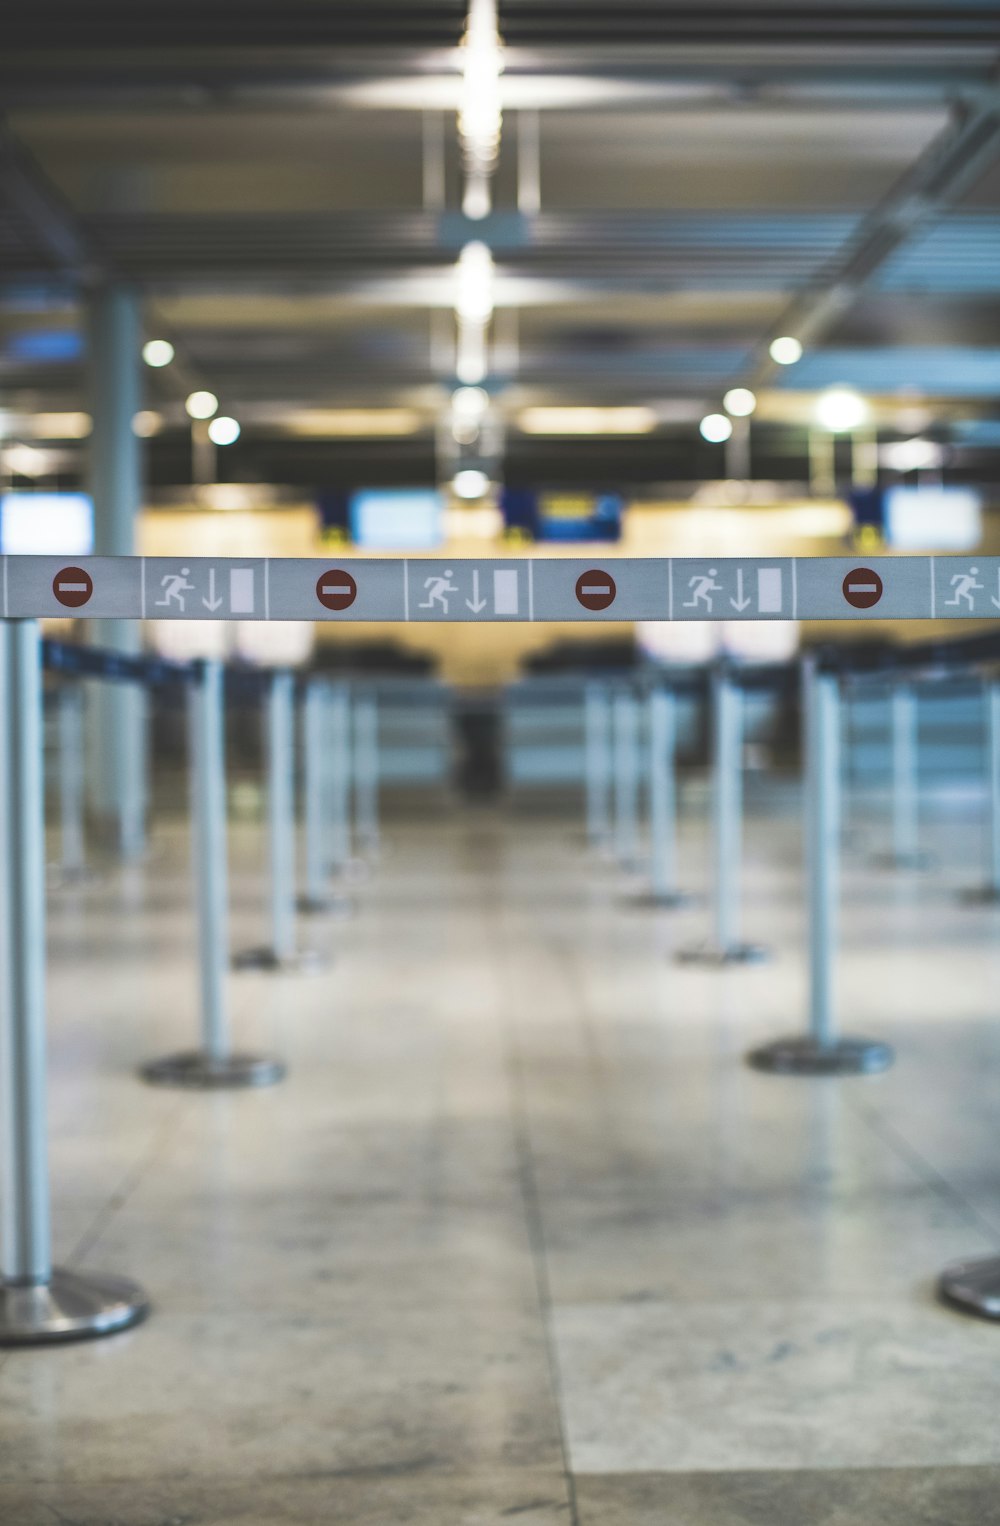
(505, 593)
(241, 590)
(769, 590)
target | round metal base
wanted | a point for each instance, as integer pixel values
(200, 1072)
(973, 1287)
(720, 958)
(661, 900)
(70, 1307)
(904, 862)
(325, 905)
(803, 1056)
(302, 962)
(986, 895)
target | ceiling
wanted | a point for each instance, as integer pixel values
(708, 176)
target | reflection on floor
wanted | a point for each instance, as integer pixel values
(521, 1238)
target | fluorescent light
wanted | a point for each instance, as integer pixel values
(201, 405)
(479, 111)
(470, 483)
(146, 423)
(586, 421)
(715, 428)
(786, 350)
(223, 431)
(352, 423)
(740, 402)
(58, 426)
(469, 402)
(157, 352)
(841, 410)
(912, 455)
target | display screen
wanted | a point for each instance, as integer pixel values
(397, 519)
(933, 519)
(46, 524)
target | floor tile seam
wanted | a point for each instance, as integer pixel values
(496, 936)
(918, 1162)
(128, 1184)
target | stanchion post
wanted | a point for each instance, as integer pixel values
(822, 1051)
(72, 833)
(661, 736)
(989, 894)
(39, 1303)
(214, 1065)
(282, 953)
(338, 743)
(367, 769)
(626, 776)
(597, 764)
(316, 799)
(905, 740)
(726, 946)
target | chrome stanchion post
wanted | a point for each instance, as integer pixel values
(282, 953)
(316, 799)
(597, 764)
(73, 848)
(366, 771)
(661, 731)
(626, 776)
(822, 1051)
(214, 1065)
(905, 852)
(38, 1302)
(989, 894)
(338, 742)
(727, 829)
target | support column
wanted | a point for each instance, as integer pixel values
(118, 749)
(989, 894)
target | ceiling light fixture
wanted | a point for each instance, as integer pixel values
(841, 409)
(715, 428)
(201, 405)
(785, 350)
(586, 421)
(157, 352)
(740, 402)
(470, 483)
(223, 430)
(479, 112)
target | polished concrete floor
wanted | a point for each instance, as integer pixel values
(521, 1238)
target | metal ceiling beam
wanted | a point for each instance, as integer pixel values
(943, 172)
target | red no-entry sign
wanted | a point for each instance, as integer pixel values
(336, 589)
(73, 586)
(596, 589)
(862, 588)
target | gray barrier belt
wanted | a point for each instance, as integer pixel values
(501, 589)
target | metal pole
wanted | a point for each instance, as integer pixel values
(597, 763)
(339, 745)
(117, 734)
(989, 894)
(661, 709)
(905, 782)
(822, 1051)
(73, 850)
(626, 783)
(727, 829)
(315, 791)
(279, 743)
(367, 768)
(37, 1303)
(214, 1065)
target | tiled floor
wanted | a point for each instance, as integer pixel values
(520, 1237)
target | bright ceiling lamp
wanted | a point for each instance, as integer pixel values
(201, 405)
(586, 421)
(740, 402)
(912, 455)
(479, 112)
(841, 409)
(470, 403)
(470, 483)
(223, 430)
(474, 284)
(348, 423)
(785, 350)
(157, 353)
(715, 428)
